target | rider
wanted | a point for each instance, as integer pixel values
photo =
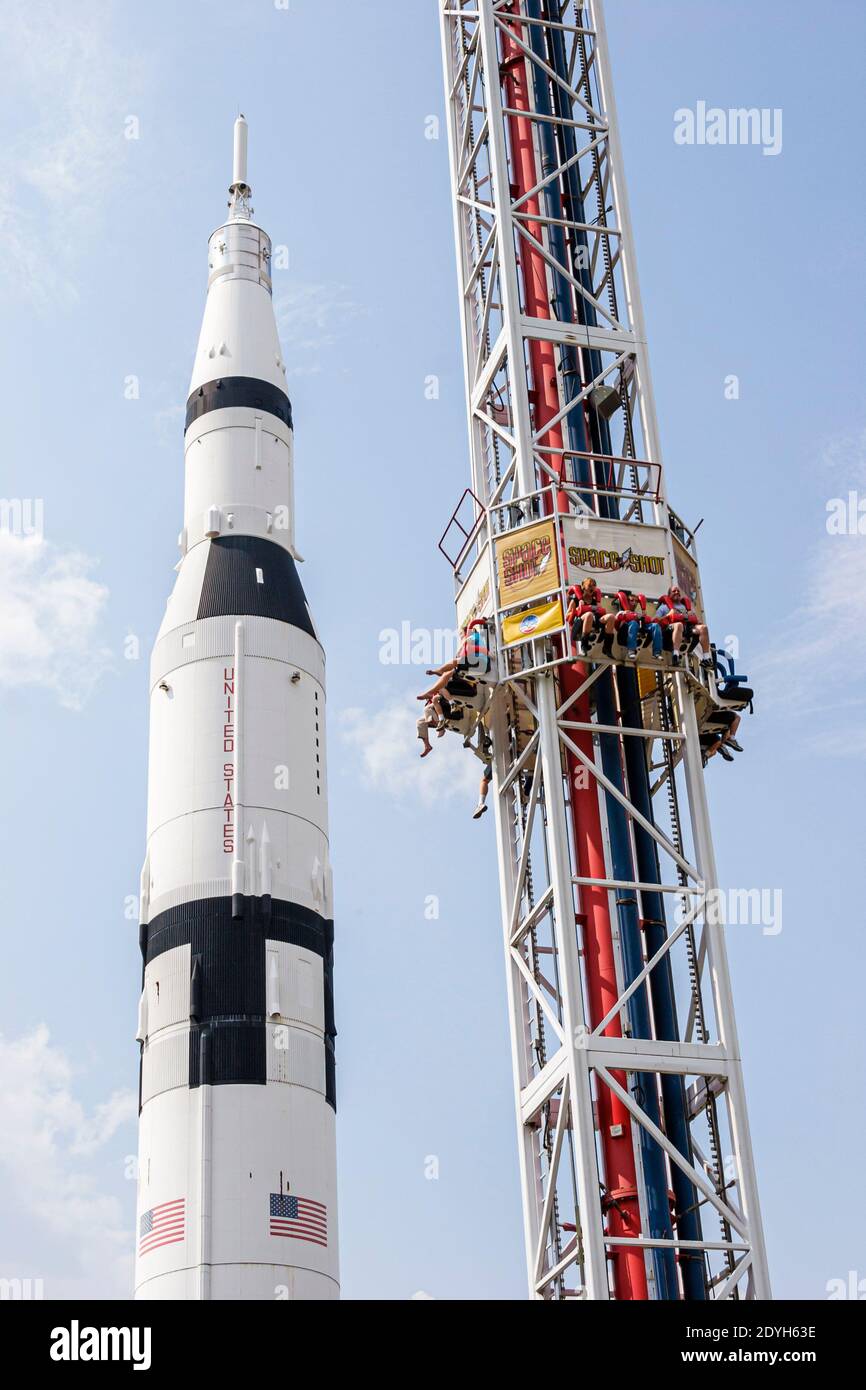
(483, 750)
(586, 613)
(459, 691)
(471, 654)
(675, 611)
(484, 788)
(429, 720)
(722, 738)
(631, 614)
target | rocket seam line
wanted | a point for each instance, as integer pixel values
(248, 806)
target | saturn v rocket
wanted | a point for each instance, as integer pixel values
(237, 1193)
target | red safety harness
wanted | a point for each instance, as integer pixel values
(626, 613)
(470, 649)
(689, 617)
(578, 607)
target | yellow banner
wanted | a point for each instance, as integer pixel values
(532, 622)
(527, 563)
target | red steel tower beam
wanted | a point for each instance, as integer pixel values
(623, 1214)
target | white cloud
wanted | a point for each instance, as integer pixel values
(845, 742)
(814, 669)
(310, 319)
(64, 147)
(49, 619)
(843, 459)
(389, 750)
(812, 672)
(45, 1136)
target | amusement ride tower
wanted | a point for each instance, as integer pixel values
(636, 1164)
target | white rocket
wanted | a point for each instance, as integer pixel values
(237, 1194)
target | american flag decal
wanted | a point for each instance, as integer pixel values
(299, 1218)
(162, 1225)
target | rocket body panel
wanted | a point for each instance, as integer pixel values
(239, 332)
(244, 1260)
(244, 458)
(237, 1163)
(204, 742)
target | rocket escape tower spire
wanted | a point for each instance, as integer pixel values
(636, 1165)
(237, 1151)
(239, 201)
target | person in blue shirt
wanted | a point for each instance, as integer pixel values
(631, 614)
(675, 611)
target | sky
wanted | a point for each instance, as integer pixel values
(116, 133)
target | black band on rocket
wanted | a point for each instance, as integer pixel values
(232, 392)
(233, 587)
(228, 981)
(199, 924)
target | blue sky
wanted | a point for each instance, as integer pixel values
(749, 265)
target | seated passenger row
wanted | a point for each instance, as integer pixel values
(625, 618)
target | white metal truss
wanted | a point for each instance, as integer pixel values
(562, 1060)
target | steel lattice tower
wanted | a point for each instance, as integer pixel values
(636, 1165)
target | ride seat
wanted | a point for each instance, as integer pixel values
(734, 693)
